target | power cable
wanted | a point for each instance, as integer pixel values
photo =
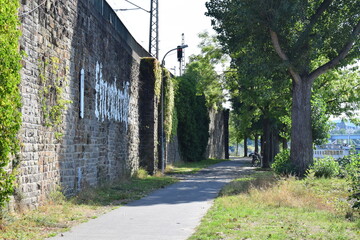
(137, 7)
(32, 10)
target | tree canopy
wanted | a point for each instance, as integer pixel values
(305, 38)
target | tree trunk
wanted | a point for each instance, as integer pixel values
(237, 149)
(266, 145)
(301, 154)
(245, 147)
(256, 143)
(275, 144)
(284, 144)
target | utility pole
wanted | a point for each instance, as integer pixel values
(154, 25)
(154, 29)
(182, 62)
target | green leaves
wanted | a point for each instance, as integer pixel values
(10, 102)
(193, 120)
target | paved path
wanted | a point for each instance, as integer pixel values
(171, 213)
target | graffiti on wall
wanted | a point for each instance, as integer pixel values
(111, 103)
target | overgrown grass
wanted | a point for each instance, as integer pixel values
(263, 207)
(60, 214)
(191, 167)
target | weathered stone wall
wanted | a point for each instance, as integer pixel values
(173, 151)
(149, 101)
(218, 134)
(70, 41)
(79, 55)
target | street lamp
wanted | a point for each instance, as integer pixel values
(177, 48)
(162, 109)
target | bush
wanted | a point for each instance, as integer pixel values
(193, 120)
(10, 101)
(352, 173)
(324, 167)
(282, 164)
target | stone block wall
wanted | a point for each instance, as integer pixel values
(218, 143)
(80, 55)
(80, 45)
(173, 151)
(149, 101)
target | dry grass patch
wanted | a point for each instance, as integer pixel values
(289, 193)
(273, 208)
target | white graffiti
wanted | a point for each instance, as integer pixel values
(110, 102)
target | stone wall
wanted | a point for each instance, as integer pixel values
(149, 102)
(218, 143)
(173, 151)
(90, 114)
(82, 46)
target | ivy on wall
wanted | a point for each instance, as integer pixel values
(51, 94)
(193, 120)
(151, 67)
(170, 118)
(10, 100)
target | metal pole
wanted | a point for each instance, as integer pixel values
(151, 23)
(162, 110)
(162, 127)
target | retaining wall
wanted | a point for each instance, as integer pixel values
(97, 61)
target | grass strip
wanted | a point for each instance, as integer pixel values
(191, 167)
(264, 207)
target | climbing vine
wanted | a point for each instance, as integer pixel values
(10, 101)
(150, 67)
(170, 117)
(53, 104)
(193, 119)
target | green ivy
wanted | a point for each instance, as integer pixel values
(170, 117)
(193, 120)
(10, 100)
(53, 103)
(151, 67)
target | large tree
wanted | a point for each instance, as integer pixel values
(301, 33)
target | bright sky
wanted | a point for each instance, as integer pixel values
(175, 17)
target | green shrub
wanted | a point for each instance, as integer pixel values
(282, 164)
(324, 167)
(10, 101)
(193, 120)
(352, 172)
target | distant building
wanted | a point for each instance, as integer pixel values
(331, 150)
(347, 126)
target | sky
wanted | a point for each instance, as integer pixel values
(175, 17)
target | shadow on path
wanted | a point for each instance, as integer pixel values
(202, 186)
(171, 213)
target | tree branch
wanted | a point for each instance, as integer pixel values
(276, 44)
(313, 19)
(343, 53)
(282, 55)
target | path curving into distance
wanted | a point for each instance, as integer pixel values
(171, 213)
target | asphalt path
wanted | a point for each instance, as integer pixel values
(171, 213)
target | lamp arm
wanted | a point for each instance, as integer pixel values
(163, 60)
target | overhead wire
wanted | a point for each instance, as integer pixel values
(32, 10)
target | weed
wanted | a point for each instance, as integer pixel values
(274, 208)
(324, 167)
(140, 173)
